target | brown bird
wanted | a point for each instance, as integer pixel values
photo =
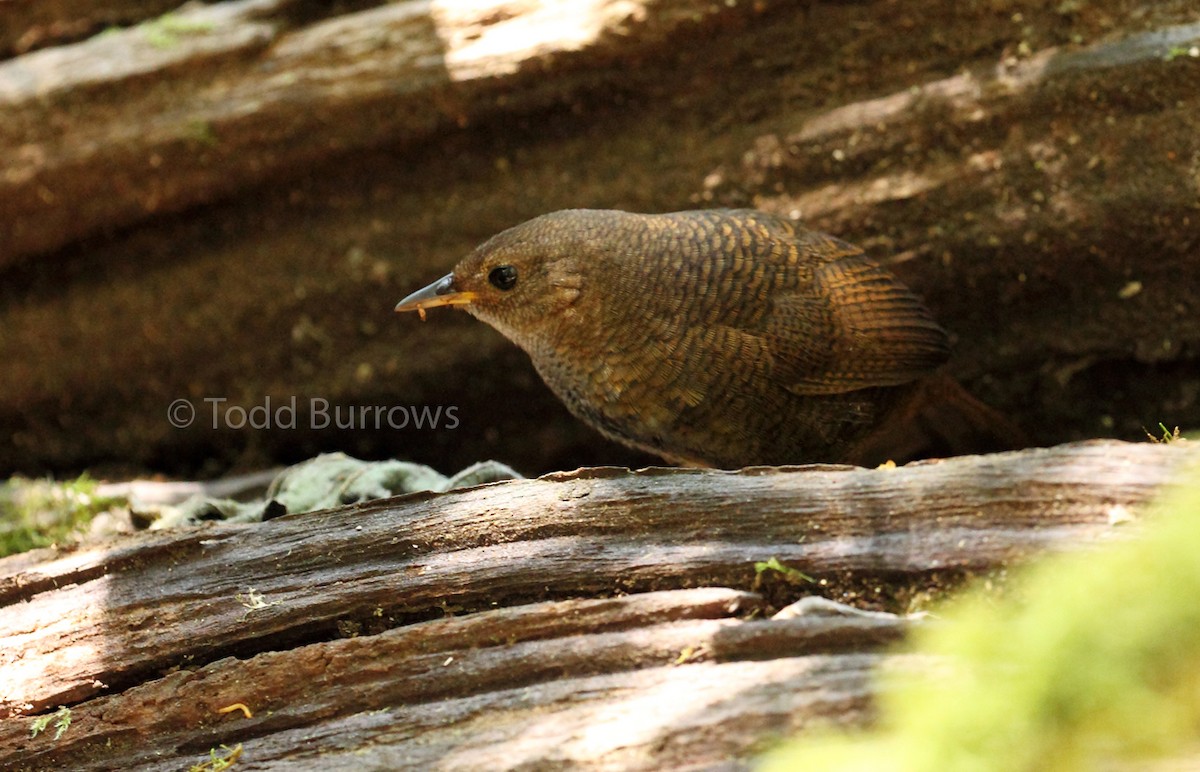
(721, 338)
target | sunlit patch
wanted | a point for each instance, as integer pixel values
(490, 39)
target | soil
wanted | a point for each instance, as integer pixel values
(287, 290)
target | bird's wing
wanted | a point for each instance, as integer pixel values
(880, 334)
(841, 322)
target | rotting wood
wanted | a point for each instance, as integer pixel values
(239, 98)
(107, 622)
(95, 142)
(29, 24)
(492, 651)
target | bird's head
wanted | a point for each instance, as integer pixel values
(526, 282)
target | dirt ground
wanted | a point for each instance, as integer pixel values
(287, 290)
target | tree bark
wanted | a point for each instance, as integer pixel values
(30, 24)
(318, 621)
(213, 99)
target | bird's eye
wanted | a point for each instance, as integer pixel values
(503, 277)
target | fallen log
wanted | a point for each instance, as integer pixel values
(1043, 203)
(213, 99)
(30, 24)
(312, 619)
(1061, 185)
(491, 652)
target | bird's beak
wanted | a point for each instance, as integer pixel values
(440, 293)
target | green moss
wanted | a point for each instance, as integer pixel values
(219, 761)
(1176, 52)
(166, 31)
(1095, 659)
(202, 133)
(61, 719)
(38, 513)
(773, 564)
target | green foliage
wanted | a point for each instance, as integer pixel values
(38, 513)
(1096, 661)
(217, 762)
(773, 564)
(61, 719)
(1176, 52)
(1168, 435)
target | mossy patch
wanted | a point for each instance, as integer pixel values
(39, 513)
(1094, 658)
(167, 30)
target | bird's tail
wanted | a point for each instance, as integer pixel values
(936, 418)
